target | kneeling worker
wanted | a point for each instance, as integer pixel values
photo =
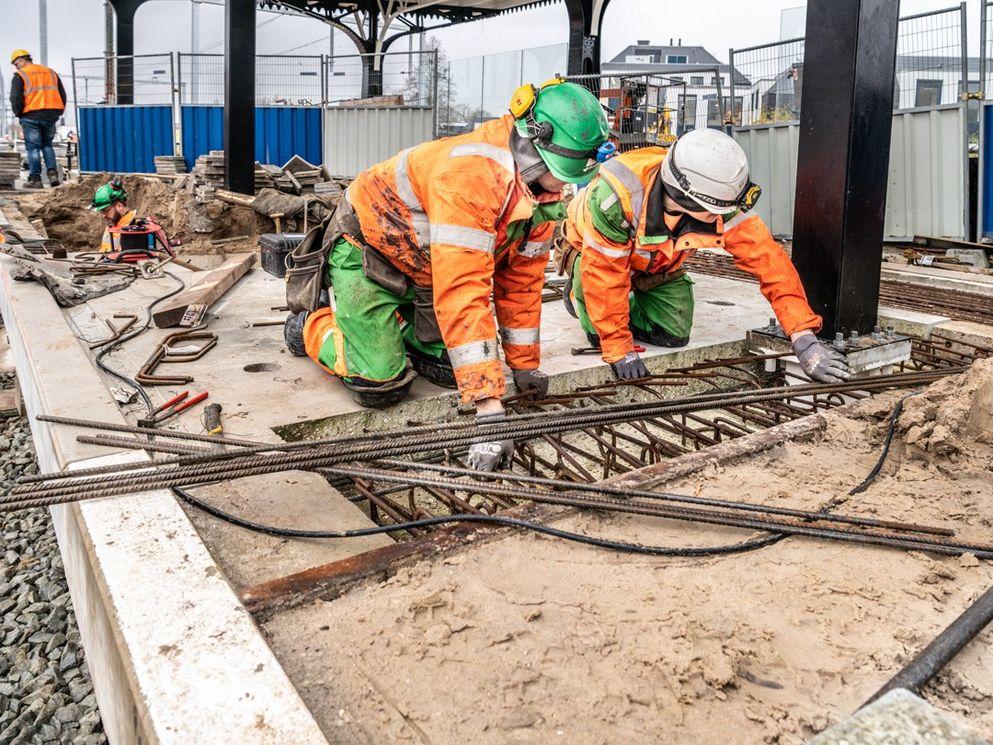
(420, 242)
(643, 215)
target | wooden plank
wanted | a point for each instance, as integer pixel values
(207, 290)
(9, 403)
(233, 198)
(946, 243)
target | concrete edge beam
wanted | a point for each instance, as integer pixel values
(174, 656)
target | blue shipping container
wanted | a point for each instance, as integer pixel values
(280, 133)
(124, 139)
(986, 208)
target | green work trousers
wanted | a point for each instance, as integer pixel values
(667, 308)
(377, 327)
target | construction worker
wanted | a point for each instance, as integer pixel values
(111, 201)
(628, 233)
(423, 240)
(38, 99)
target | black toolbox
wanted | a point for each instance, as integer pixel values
(274, 248)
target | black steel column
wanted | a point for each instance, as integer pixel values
(843, 160)
(239, 95)
(124, 12)
(585, 23)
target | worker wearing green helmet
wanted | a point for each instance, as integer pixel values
(420, 244)
(111, 201)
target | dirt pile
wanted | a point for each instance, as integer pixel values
(951, 419)
(68, 220)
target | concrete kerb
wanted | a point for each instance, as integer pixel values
(173, 655)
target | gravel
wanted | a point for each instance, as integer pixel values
(45, 691)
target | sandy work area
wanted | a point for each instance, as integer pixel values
(530, 639)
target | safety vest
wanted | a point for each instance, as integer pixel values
(106, 244)
(455, 215)
(41, 88)
(657, 243)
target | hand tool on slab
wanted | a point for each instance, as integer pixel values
(596, 350)
(171, 408)
(212, 419)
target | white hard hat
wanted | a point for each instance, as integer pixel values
(709, 167)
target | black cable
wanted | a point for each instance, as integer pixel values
(887, 441)
(137, 331)
(636, 548)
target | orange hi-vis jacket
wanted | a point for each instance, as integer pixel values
(41, 88)
(455, 215)
(624, 229)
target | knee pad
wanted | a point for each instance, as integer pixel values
(436, 370)
(658, 337)
(293, 334)
(374, 395)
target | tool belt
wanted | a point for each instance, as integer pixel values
(643, 282)
(563, 253)
(306, 275)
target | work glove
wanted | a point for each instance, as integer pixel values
(819, 361)
(629, 367)
(490, 456)
(531, 380)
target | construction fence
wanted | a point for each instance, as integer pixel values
(130, 109)
(932, 127)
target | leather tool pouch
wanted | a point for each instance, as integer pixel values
(644, 282)
(564, 254)
(382, 272)
(305, 270)
(425, 322)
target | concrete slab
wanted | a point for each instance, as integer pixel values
(898, 718)
(139, 589)
(945, 279)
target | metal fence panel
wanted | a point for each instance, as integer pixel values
(124, 139)
(280, 133)
(280, 80)
(358, 137)
(927, 182)
(926, 194)
(772, 152)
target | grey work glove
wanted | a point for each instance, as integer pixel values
(629, 367)
(819, 361)
(490, 456)
(531, 380)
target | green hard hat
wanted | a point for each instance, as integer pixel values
(567, 124)
(107, 194)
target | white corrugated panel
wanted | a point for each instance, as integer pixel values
(771, 151)
(926, 190)
(358, 137)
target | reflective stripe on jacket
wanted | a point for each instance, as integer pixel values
(41, 88)
(619, 226)
(454, 214)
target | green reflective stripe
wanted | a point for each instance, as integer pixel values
(472, 353)
(406, 193)
(613, 253)
(522, 337)
(463, 237)
(484, 150)
(535, 248)
(629, 181)
(609, 221)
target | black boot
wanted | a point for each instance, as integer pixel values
(380, 395)
(53, 177)
(293, 334)
(437, 370)
(34, 183)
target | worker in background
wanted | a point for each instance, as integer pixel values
(111, 201)
(38, 99)
(429, 235)
(629, 232)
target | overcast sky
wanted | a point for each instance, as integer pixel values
(75, 28)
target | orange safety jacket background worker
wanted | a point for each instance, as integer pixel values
(624, 229)
(41, 89)
(455, 215)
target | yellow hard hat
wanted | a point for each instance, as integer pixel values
(17, 54)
